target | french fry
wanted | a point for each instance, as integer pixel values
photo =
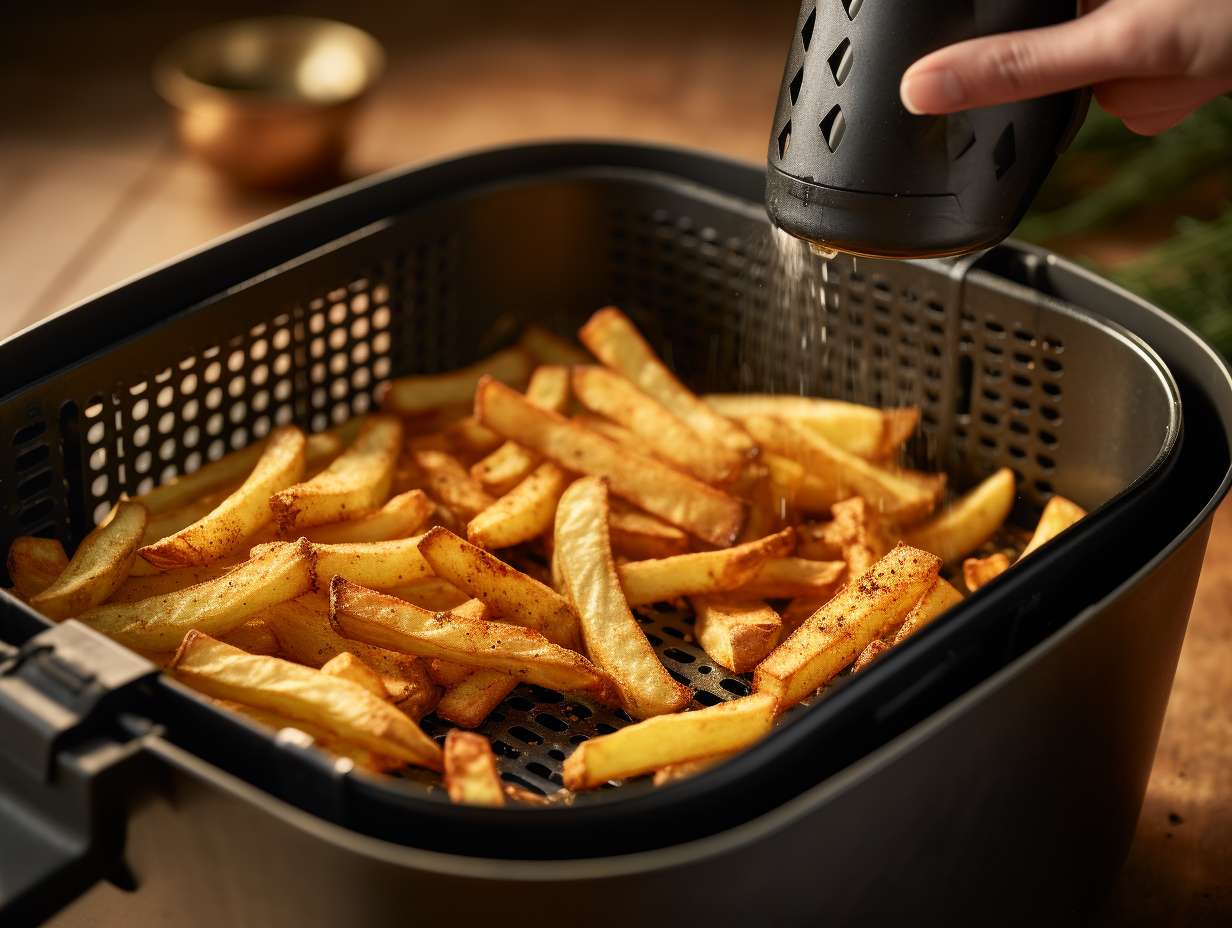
(891, 493)
(254, 636)
(706, 572)
(1058, 515)
(447, 673)
(513, 596)
(614, 640)
(355, 483)
(856, 531)
(938, 600)
(673, 773)
(969, 521)
(431, 593)
(768, 507)
(349, 667)
(470, 770)
(522, 514)
(168, 523)
(388, 622)
(616, 342)
(98, 566)
(670, 739)
(213, 607)
(815, 541)
(510, 464)
(320, 737)
(171, 581)
(871, 433)
(548, 348)
(875, 649)
(471, 700)
(799, 609)
(452, 484)
(833, 636)
(790, 577)
(403, 515)
(977, 571)
(243, 512)
(467, 438)
(736, 634)
(378, 565)
(641, 536)
(666, 436)
(659, 489)
(408, 396)
(803, 491)
(306, 637)
(343, 707)
(35, 563)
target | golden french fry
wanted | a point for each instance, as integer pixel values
(408, 396)
(768, 508)
(215, 606)
(799, 609)
(978, 571)
(379, 565)
(470, 770)
(334, 703)
(702, 573)
(1058, 515)
(804, 491)
(306, 637)
(355, 483)
(388, 622)
(468, 438)
(512, 595)
(403, 515)
(452, 484)
(471, 700)
(349, 667)
(614, 639)
(522, 514)
(447, 673)
(659, 489)
(969, 521)
(862, 430)
(254, 636)
(736, 634)
(670, 739)
(431, 593)
(875, 649)
(510, 464)
(168, 523)
(815, 541)
(609, 429)
(35, 563)
(666, 436)
(171, 581)
(856, 531)
(833, 636)
(240, 514)
(615, 341)
(548, 348)
(98, 566)
(641, 536)
(685, 769)
(318, 736)
(939, 599)
(890, 492)
(790, 577)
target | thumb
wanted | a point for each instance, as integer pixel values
(1017, 65)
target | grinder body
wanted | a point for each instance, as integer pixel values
(851, 169)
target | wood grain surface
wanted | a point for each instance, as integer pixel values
(93, 189)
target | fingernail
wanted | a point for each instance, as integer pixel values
(937, 91)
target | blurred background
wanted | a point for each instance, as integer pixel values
(94, 188)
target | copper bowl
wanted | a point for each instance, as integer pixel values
(270, 102)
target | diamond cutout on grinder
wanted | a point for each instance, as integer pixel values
(840, 61)
(833, 127)
(806, 33)
(852, 7)
(794, 87)
(959, 136)
(785, 140)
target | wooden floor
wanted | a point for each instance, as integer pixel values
(93, 190)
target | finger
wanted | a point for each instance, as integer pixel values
(1156, 123)
(1018, 65)
(1140, 96)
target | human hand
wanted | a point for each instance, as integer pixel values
(1151, 62)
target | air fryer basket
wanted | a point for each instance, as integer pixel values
(301, 323)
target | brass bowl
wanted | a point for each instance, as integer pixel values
(270, 102)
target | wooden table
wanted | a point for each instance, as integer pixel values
(93, 189)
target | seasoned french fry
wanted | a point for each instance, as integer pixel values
(98, 566)
(665, 435)
(522, 514)
(431, 593)
(403, 515)
(510, 464)
(815, 541)
(452, 484)
(875, 649)
(659, 489)
(35, 563)
(799, 609)
(670, 739)
(863, 430)
(254, 636)
(1058, 515)
(171, 581)
(682, 771)
(615, 341)
(548, 348)
(378, 565)
(471, 700)
(321, 737)
(856, 531)
(356, 483)
(614, 640)
(334, 703)
(408, 396)
(470, 770)
(978, 571)
(215, 606)
(306, 637)
(514, 596)
(833, 636)
(447, 673)
(168, 523)
(939, 599)
(736, 634)
(641, 536)
(240, 514)
(467, 438)
(893, 494)
(969, 521)
(789, 577)
(388, 622)
(702, 573)
(349, 667)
